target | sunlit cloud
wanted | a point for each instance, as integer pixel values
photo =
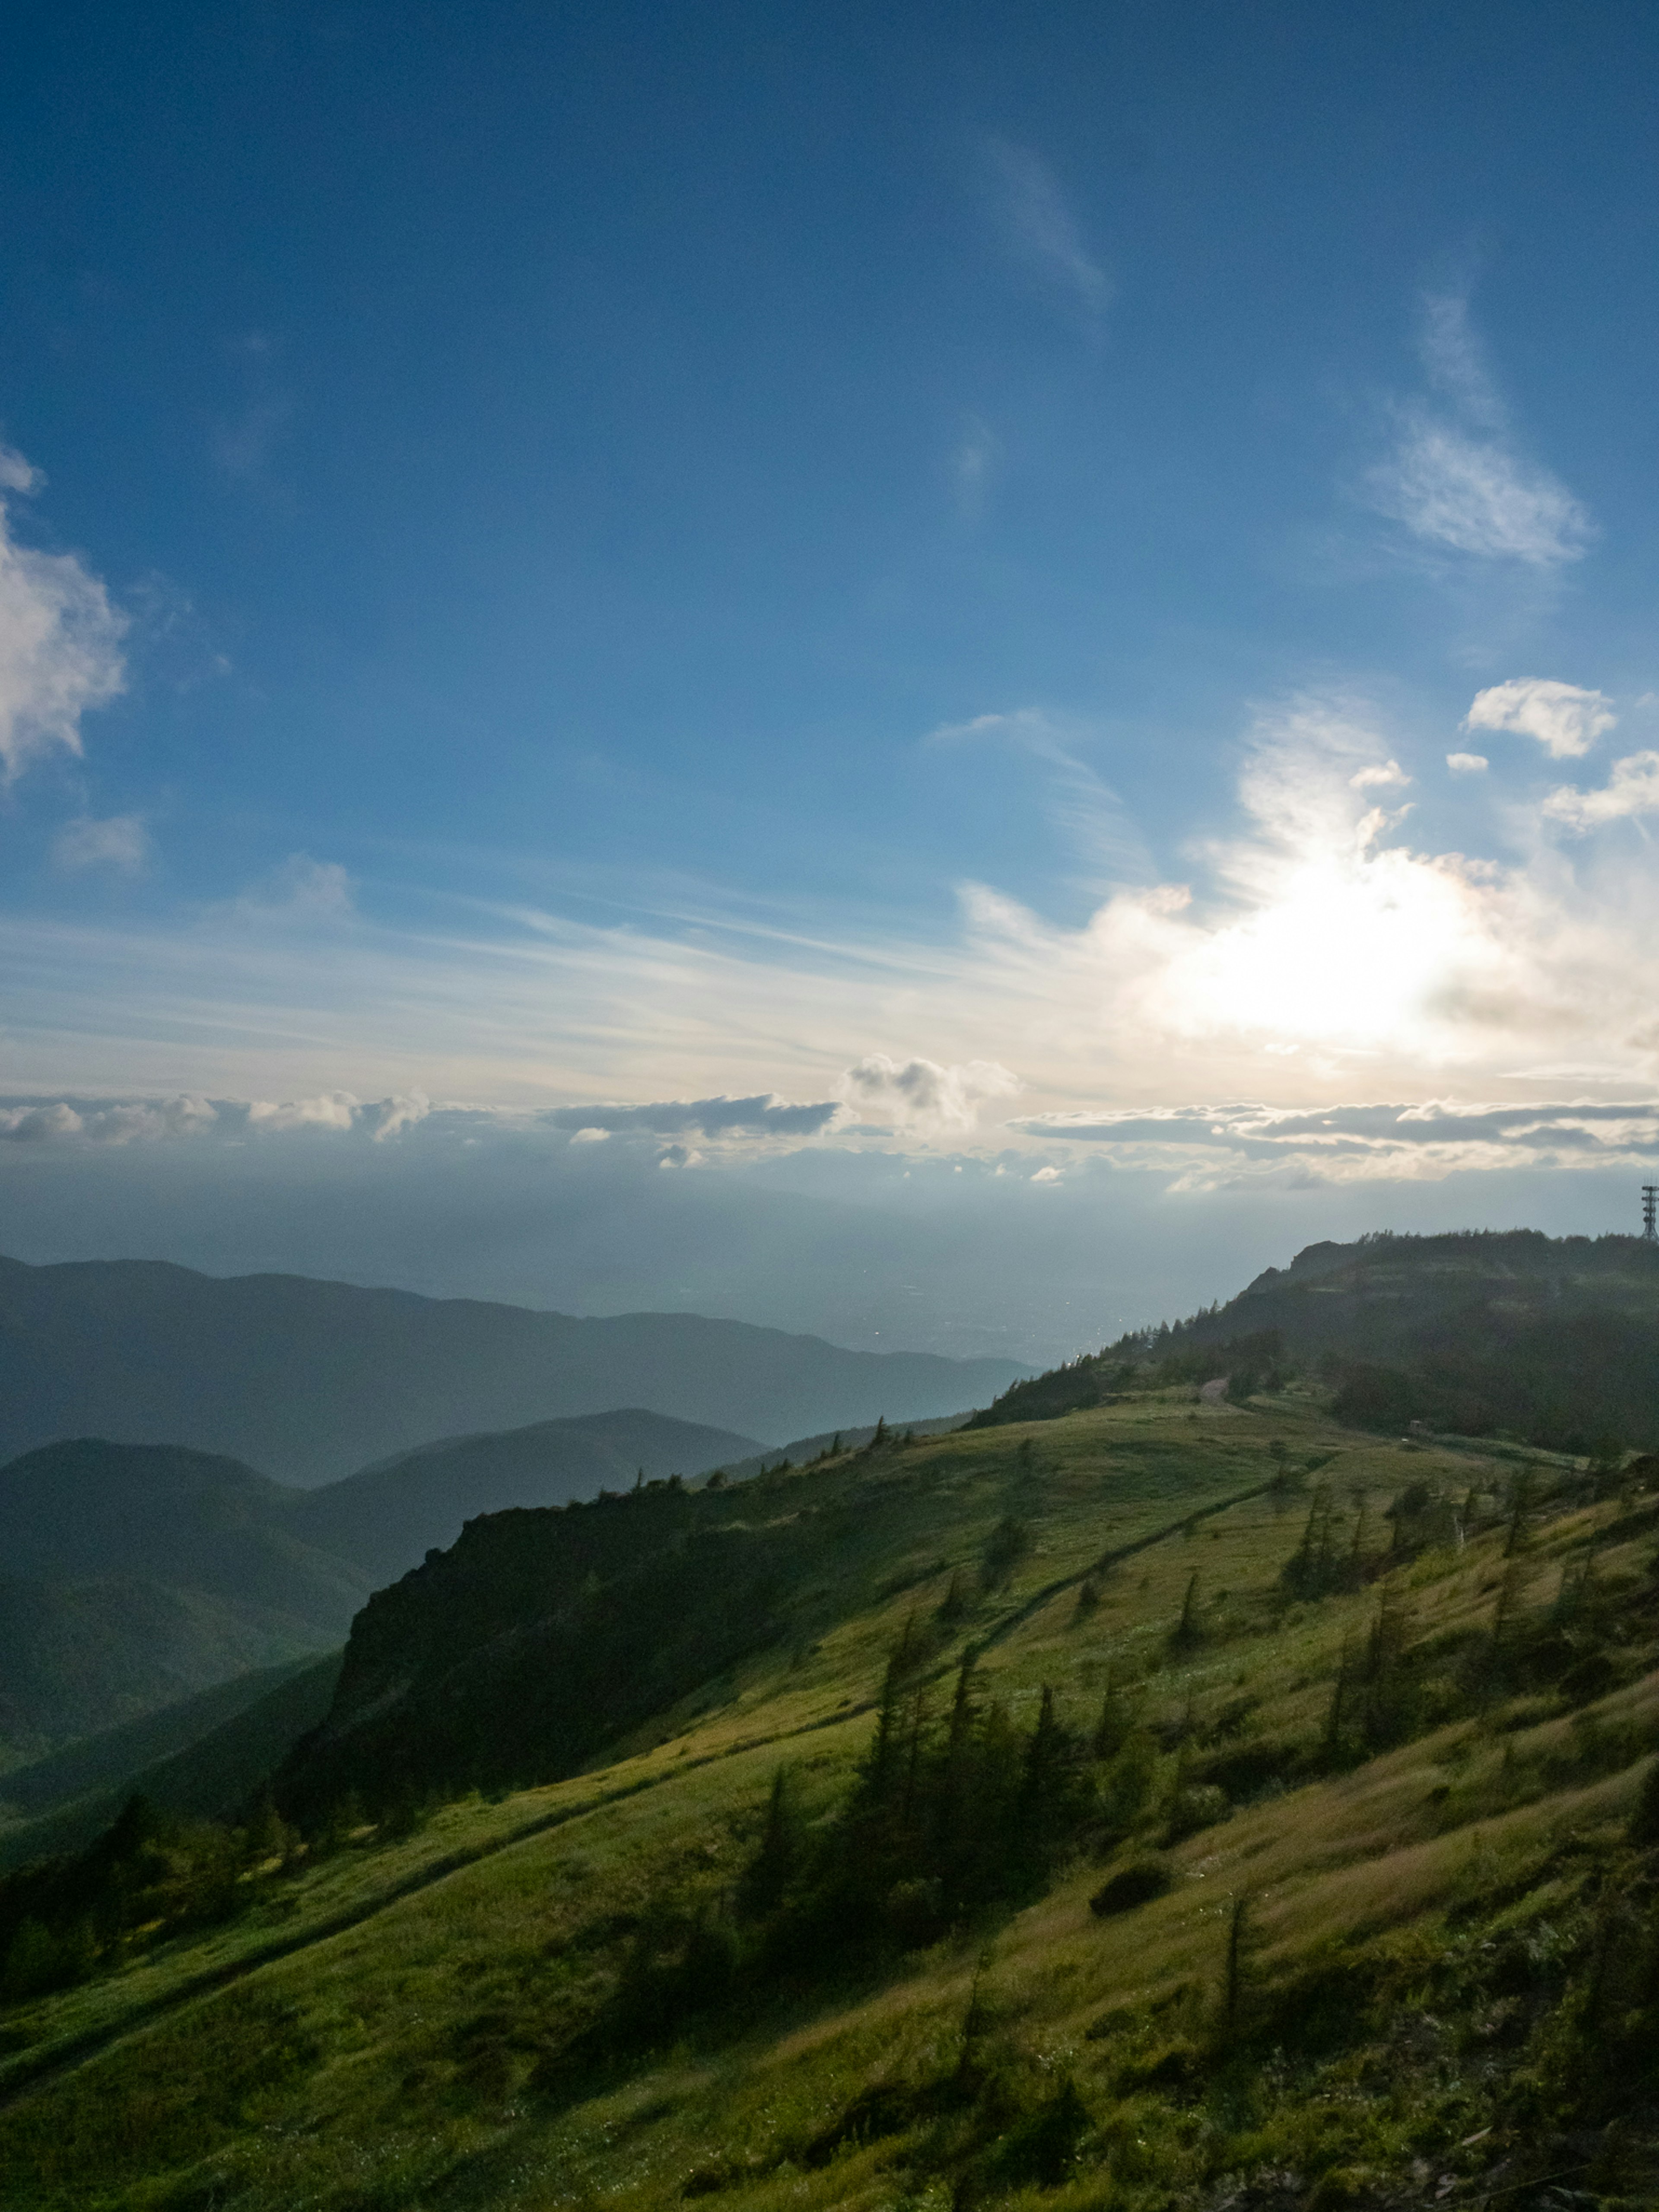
(1632, 788)
(1565, 720)
(1467, 763)
(921, 1098)
(60, 641)
(1327, 949)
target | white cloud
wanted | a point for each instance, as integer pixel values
(335, 1110)
(1631, 789)
(1381, 775)
(1467, 763)
(16, 475)
(121, 842)
(921, 1098)
(1454, 358)
(35, 1125)
(1317, 952)
(59, 641)
(1043, 229)
(391, 1116)
(1565, 718)
(1454, 479)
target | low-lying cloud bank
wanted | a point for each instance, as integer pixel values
(1187, 1147)
(1204, 1146)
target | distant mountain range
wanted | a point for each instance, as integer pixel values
(309, 1380)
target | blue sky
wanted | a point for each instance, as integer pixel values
(1067, 590)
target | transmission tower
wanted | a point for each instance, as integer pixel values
(1651, 1212)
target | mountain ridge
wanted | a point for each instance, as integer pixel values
(312, 1381)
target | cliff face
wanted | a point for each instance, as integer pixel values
(540, 1636)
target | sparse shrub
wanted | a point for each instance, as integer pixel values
(1198, 1805)
(1138, 1883)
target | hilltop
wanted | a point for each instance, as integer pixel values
(1307, 1778)
(1552, 1341)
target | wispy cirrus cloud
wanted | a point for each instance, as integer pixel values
(60, 640)
(1454, 476)
(972, 460)
(1039, 224)
(1081, 805)
(120, 843)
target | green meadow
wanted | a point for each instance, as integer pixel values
(1372, 1921)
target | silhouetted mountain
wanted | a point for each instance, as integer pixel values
(310, 1380)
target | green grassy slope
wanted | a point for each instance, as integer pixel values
(1440, 1987)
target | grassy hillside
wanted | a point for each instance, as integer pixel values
(1551, 1340)
(311, 1380)
(1344, 1896)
